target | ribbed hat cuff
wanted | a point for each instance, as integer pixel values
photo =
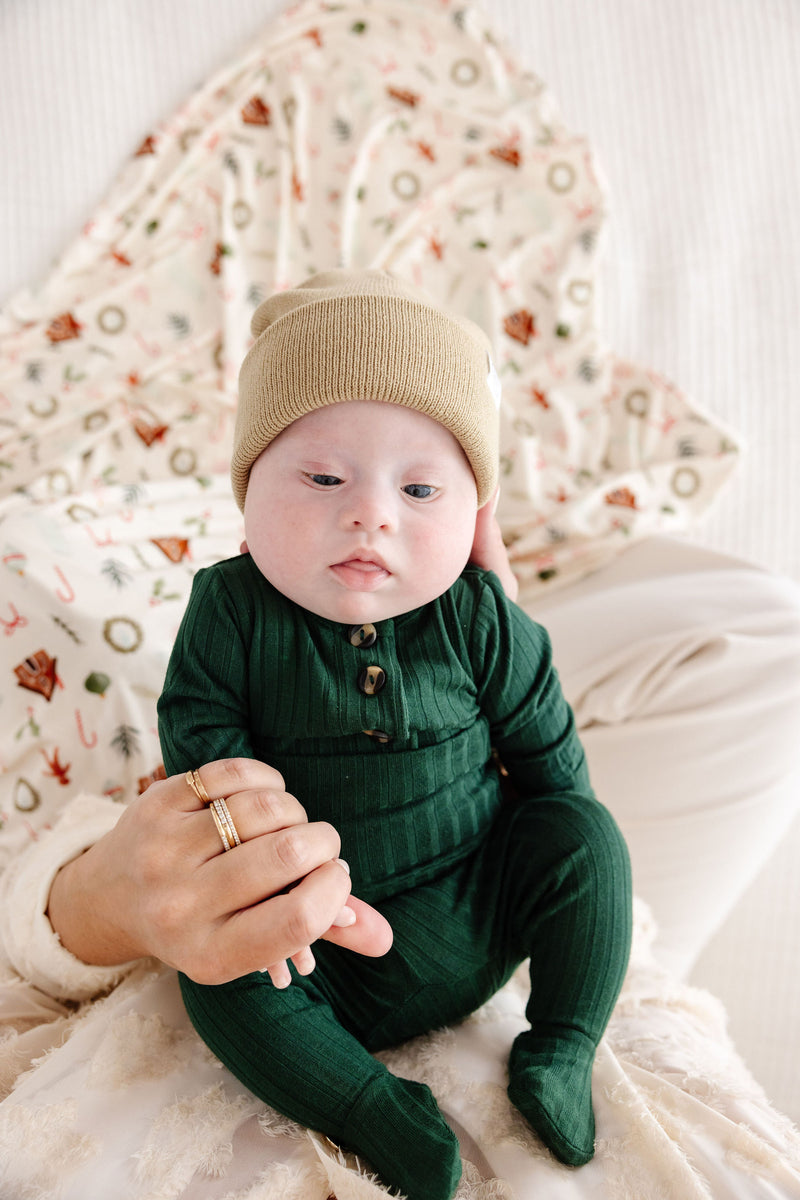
(367, 347)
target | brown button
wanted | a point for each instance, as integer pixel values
(363, 636)
(379, 734)
(371, 680)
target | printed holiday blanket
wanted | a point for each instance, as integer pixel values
(397, 134)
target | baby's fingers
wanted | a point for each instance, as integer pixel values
(304, 961)
(279, 974)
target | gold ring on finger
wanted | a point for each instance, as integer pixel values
(225, 826)
(196, 784)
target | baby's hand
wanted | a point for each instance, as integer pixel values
(359, 927)
(304, 961)
(280, 974)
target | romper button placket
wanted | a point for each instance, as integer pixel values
(370, 679)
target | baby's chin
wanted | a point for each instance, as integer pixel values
(368, 608)
(355, 610)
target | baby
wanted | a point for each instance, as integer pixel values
(354, 649)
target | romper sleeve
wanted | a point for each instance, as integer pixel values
(203, 711)
(531, 724)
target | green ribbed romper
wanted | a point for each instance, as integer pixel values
(387, 732)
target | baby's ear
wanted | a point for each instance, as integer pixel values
(243, 548)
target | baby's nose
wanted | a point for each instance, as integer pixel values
(370, 509)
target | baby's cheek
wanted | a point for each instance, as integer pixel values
(445, 557)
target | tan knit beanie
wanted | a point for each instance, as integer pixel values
(363, 335)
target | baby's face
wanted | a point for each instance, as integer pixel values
(361, 511)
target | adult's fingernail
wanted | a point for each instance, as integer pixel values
(343, 864)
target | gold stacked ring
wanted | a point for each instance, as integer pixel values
(196, 784)
(225, 826)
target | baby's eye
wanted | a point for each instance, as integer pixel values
(419, 491)
(324, 481)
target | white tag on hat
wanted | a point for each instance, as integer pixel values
(494, 384)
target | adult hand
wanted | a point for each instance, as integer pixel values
(159, 884)
(488, 548)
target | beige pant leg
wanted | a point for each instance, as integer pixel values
(683, 668)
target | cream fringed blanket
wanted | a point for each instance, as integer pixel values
(388, 134)
(134, 1106)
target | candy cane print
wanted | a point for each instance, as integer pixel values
(68, 594)
(89, 742)
(16, 622)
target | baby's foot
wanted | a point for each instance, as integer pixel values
(398, 1128)
(550, 1082)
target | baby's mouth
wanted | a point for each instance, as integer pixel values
(361, 574)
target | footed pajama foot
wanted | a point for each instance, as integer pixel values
(550, 1082)
(398, 1128)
